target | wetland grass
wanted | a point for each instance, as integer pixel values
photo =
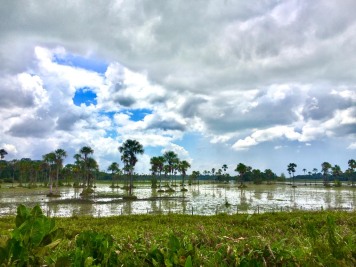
(271, 239)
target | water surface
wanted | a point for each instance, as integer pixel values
(203, 199)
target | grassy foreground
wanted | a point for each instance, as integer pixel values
(273, 239)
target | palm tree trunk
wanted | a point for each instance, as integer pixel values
(131, 184)
(57, 174)
(50, 181)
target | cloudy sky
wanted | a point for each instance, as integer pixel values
(265, 83)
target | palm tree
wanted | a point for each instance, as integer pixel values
(114, 168)
(60, 154)
(241, 169)
(171, 158)
(183, 167)
(69, 172)
(157, 166)
(3, 153)
(50, 159)
(213, 172)
(129, 150)
(269, 174)
(85, 151)
(93, 169)
(325, 166)
(160, 165)
(224, 167)
(336, 171)
(291, 170)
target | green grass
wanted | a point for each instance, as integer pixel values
(272, 239)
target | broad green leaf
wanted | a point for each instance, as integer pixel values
(173, 243)
(36, 212)
(188, 262)
(23, 214)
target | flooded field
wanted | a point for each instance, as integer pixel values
(203, 199)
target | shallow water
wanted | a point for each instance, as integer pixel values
(203, 199)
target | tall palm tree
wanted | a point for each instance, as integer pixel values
(78, 170)
(154, 165)
(336, 171)
(241, 169)
(325, 167)
(160, 165)
(224, 167)
(50, 159)
(85, 151)
(183, 167)
(60, 154)
(291, 170)
(129, 149)
(93, 169)
(171, 158)
(114, 168)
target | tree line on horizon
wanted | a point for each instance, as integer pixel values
(85, 170)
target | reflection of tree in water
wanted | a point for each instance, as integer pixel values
(166, 204)
(184, 203)
(214, 190)
(243, 205)
(77, 192)
(292, 195)
(127, 207)
(196, 193)
(327, 199)
(257, 195)
(338, 198)
(113, 208)
(154, 206)
(53, 209)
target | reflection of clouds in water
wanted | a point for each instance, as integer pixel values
(205, 199)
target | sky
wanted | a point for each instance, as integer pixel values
(219, 82)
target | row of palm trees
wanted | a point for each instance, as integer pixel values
(169, 164)
(84, 168)
(245, 173)
(327, 169)
(166, 165)
(50, 168)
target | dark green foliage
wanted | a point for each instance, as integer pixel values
(34, 236)
(176, 253)
(94, 249)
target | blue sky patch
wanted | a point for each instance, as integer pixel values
(84, 96)
(138, 114)
(90, 64)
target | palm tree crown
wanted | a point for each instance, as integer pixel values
(3, 152)
(171, 158)
(129, 149)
